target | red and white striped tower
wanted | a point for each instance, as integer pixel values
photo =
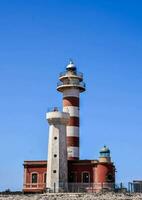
(71, 85)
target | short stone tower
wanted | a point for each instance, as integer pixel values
(71, 85)
(57, 172)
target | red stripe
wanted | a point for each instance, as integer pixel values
(73, 141)
(73, 158)
(73, 121)
(71, 101)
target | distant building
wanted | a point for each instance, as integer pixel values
(64, 171)
(137, 186)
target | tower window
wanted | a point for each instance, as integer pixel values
(55, 155)
(109, 177)
(55, 138)
(85, 177)
(54, 171)
(34, 178)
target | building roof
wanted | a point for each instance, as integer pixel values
(43, 163)
(35, 162)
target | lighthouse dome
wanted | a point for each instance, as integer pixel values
(105, 149)
(71, 66)
(105, 152)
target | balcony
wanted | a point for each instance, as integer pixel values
(34, 187)
(73, 74)
(70, 84)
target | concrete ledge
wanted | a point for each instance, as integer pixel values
(57, 117)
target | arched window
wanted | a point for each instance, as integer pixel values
(73, 177)
(85, 177)
(34, 177)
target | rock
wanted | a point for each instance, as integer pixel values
(74, 196)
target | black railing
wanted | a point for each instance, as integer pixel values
(80, 84)
(88, 187)
(65, 73)
(85, 187)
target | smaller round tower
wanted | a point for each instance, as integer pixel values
(105, 170)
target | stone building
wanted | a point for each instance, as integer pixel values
(64, 170)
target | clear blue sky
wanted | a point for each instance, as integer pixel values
(104, 38)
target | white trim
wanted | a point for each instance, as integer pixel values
(73, 151)
(72, 110)
(82, 176)
(71, 92)
(25, 174)
(72, 131)
(44, 177)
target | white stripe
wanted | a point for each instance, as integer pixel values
(72, 110)
(73, 151)
(72, 131)
(71, 92)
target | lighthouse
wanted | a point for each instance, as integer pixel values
(71, 85)
(64, 171)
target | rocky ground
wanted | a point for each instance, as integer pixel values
(71, 196)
